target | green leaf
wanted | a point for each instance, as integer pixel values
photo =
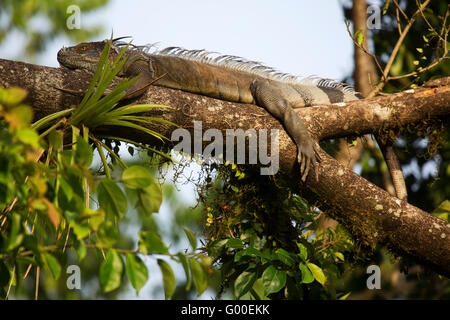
(136, 271)
(136, 177)
(359, 36)
(53, 264)
(28, 136)
(107, 234)
(5, 274)
(339, 255)
(12, 95)
(168, 278)
(96, 218)
(251, 237)
(19, 117)
(317, 273)
(81, 230)
(111, 198)
(273, 279)
(83, 153)
(101, 67)
(386, 6)
(15, 237)
(31, 242)
(216, 247)
(191, 238)
(250, 251)
(47, 120)
(285, 257)
(244, 282)
(443, 210)
(150, 242)
(303, 252)
(150, 197)
(345, 296)
(184, 263)
(55, 139)
(258, 290)
(234, 243)
(75, 178)
(307, 276)
(131, 151)
(198, 275)
(80, 249)
(111, 271)
(65, 188)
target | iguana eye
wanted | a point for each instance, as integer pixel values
(82, 47)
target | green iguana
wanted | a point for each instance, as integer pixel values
(224, 77)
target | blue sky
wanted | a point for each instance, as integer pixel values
(300, 37)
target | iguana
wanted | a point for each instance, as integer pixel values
(224, 77)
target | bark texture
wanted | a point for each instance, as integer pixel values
(370, 213)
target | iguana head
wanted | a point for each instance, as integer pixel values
(85, 55)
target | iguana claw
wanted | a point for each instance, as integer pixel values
(308, 155)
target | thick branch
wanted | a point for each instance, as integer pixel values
(369, 212)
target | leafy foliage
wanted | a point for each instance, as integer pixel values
(267, 241)
(52, 202)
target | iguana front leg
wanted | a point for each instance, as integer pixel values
(138, 67)
(271, 98)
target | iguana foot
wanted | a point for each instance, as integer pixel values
(307, 157)
(272, 98)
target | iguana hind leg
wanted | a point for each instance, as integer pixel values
(272, 99)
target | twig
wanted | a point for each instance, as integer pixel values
(419, 71)
(11, 281)
(67, 239)
(400, 9)
(399, 26)
(387, 68)
(36, 294)
(428, 23)
(26, 272)
(362, 47)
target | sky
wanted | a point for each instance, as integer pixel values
(299, 37)
(303, 38)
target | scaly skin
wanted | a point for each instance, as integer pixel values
(227, 78)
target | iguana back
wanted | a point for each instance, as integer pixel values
(224, 77)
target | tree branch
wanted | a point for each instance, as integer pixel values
(370, 213)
